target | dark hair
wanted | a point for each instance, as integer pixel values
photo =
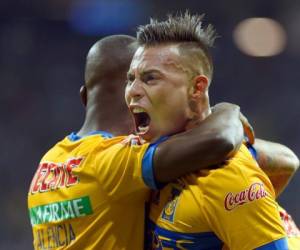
(109, 58)
(185, 29)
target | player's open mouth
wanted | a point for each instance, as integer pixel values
(142, 120)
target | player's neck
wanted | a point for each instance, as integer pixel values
(100, 121)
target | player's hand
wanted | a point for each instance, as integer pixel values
(248, 129)
(133, 140)
(224, 106)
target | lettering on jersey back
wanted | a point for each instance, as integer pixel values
(55, 236)
(51, 176)
(255, 192)
(62, 210)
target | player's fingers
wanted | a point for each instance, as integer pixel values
(248, 129)
(224, 106)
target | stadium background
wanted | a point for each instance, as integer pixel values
(43, 45)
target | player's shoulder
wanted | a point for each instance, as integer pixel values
(239, 173)
(242, 165)
(99, 138)
(74, 144)
(244, 155)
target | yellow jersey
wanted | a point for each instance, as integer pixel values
(90, 193)
(232, 207)
(292, 231)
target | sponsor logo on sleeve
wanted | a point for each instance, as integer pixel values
(255, 192)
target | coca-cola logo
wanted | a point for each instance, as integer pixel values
(255, 192)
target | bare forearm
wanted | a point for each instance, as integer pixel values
(210, 143)
(277, 161)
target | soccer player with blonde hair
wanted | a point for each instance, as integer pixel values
(168, 83)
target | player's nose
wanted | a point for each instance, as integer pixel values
(134, 91)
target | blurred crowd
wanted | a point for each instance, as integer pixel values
(43, 45)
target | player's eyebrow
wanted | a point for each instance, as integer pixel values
(150, 71)
(143, 73)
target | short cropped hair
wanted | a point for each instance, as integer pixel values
(185, 29)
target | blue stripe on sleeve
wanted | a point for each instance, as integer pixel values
(252, 150)
(147, 164)
(171, 239)
(280, 244)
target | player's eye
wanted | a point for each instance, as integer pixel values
(130, 78)
(149, 78)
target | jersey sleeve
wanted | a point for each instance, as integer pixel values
(240, 207)
(292, 231)
(123, 169)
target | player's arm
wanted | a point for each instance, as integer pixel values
(277, 161)
(211, 142)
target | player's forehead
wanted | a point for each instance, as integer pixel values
(159, 56)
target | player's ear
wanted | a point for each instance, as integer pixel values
(83, 95)
(200, 84)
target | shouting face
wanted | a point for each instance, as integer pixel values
(157, 92)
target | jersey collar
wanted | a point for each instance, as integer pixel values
(74, 137)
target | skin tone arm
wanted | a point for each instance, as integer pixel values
(277, 161)
(211, 142)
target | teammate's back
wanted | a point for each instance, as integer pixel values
(77, 201)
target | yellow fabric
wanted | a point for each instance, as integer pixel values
(89, 194)
(292, 231)
(236, 204)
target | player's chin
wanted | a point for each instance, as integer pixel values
(148, 135)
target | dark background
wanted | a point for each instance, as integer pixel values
(43, 45)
